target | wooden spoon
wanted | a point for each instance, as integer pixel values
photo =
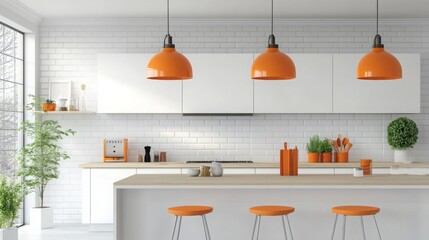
(345, 142)
(349, 145)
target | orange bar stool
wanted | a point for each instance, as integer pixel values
(260, 211)
(355, 211)
(182, 211)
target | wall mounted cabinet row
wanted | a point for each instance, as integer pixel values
(325, 83)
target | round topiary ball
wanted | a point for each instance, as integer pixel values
(402, 133)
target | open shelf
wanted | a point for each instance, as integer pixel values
(64, 112)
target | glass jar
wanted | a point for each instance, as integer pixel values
(63, 104)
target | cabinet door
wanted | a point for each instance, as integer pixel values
(102, 192)
(310, 92)
(221, 84)
(124, 88)
(391, 96)
(159, 171)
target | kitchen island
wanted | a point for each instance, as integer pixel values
(141, 203)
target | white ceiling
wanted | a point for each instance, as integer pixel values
(228, 8)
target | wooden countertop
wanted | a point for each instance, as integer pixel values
(267, 181)
(248, 165)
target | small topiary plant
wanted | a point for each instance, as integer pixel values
(402, 133)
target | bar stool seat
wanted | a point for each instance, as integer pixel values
(356, 210)
(271, 210)
(190, 210)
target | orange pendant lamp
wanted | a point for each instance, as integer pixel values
(379, 64)
(273, 64)
(169, 64)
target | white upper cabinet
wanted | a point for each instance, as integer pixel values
(221, 84)
(392, 96)
(124, 88)
(310, 92)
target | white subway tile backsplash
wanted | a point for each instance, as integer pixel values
(69, 52)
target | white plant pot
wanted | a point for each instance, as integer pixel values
(403, 156)
(41, 218)
(9, 234)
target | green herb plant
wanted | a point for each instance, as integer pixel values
(314, 145)
(325, 146)
(402, 133)
(49, 101)
(10, 202)
(39, 160)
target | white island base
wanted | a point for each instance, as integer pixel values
(141, 203)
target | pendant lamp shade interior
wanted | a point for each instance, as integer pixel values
(378, 64)
(273, 64)
(169, 64)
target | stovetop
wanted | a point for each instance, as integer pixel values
(219, 161)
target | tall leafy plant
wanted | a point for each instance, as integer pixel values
(10, 202)
(39, 160)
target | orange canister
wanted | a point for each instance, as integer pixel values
(366, 165)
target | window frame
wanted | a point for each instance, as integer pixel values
(22, 135)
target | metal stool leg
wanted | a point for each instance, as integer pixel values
(174, 229)
(259, 226)
(290, 229)
(204, 226)
(284, 226)
(378, 230)
(335, 224)
(207, 227)
(180, 225)
(363, 228)
(344, 227)
(254, 227)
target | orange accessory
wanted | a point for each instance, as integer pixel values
(379, 64)
(49, 107)
(356, 210)
(169, 64)
(190, 210)
(326, 157)
(273, 65)
(116, 159)
(271, 210)
(366, 165)
(313, 157)
(343, 157)
(289, 161)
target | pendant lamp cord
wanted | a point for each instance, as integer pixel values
(377, 17)
(272, 17)
(168, 37)
(168, 17)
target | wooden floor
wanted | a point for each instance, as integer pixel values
(63, 232)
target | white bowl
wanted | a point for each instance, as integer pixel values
(193, 172)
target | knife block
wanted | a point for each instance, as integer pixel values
(289, 162)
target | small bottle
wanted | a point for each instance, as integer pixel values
(140, 157)
(82, 98)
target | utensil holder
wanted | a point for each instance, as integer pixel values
(343, 157)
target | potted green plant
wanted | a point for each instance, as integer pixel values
(325, 150)
(313, 149)
(402, 134)
(39, 161)
(10, 203)
(49, 105)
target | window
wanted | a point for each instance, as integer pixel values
(11, 97)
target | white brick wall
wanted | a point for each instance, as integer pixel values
(69, 52)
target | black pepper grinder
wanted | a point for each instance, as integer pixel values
(147, 155)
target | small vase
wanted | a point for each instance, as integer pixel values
(147, 155)
(403, 156)
(9, 234)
